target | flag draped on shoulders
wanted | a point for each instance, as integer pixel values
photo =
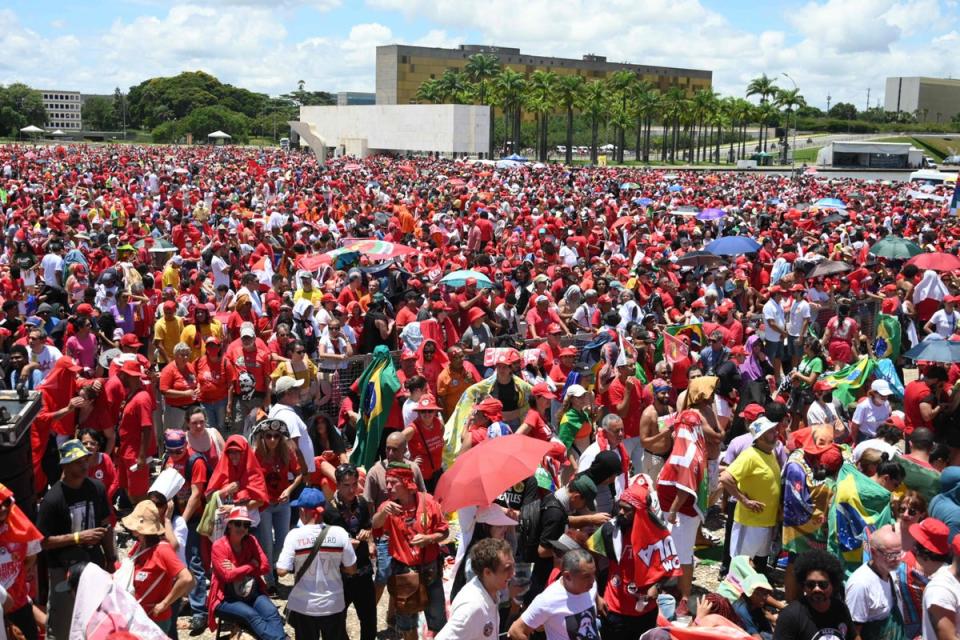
(919, 477)
(849, 379)
(686, 468)
(378, 386)
(859, 506)
(806, 503)
(460, 417)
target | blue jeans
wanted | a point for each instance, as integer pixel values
(262, 617)
(198, 596)
(216, 413)
(384, 562)
(271, 532)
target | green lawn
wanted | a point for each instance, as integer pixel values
(935, 146)
(806, 155)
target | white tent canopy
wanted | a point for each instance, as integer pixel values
(58, 132)
(31, 129)
(219, 135)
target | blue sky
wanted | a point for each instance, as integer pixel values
(836, 47)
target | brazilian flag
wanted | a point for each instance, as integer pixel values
(859, 507)
(887, 343)
(378, 387)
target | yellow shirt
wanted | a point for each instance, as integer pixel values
(315, 296)
(199, 347)
(168, 333)
(171, 278)
(758, 476)
(308, 375)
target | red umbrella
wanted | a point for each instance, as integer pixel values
(935, 261)
(481, 474)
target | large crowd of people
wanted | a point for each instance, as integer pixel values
(198, 326)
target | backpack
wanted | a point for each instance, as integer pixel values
(528, 530)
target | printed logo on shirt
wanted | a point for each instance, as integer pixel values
(583, 625)
(831, 634)
(487, 629)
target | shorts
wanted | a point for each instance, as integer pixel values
(137, 483)
(684, 535)
(384, 562)
(653, 463)
(774, 350)
(750, 541)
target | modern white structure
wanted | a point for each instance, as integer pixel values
(870, 155)
(368, 129)
(934, 100)
(63, 109)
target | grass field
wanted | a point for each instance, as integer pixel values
(806, 155)
(937, 147)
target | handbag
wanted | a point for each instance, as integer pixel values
(303, 568)
(409, 591)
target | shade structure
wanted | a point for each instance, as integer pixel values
(828, 268)
(480, 475)
(31, 129)
(629, 185)
(700, 259)
(935, 261)
(733, 246)
(58, 132)
(894, 247)
(516, 158)
(219, 135)
(935, 349)
(459, 279)
(159, 245)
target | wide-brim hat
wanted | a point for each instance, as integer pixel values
(145, 520)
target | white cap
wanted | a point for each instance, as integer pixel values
(760, 426)
(285, 383)
(247, 330)
(882, 387)
(575, 391)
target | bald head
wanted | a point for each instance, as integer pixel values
(395, 447)
(885, 538)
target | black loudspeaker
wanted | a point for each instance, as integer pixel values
(17, 412)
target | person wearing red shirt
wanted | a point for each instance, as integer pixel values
(627, 397)
(101, 465)
(485, 226)
(20, 544)
(248, 367)
(178, 384)
(469, 298)
(425, 440)
(563, 365)
(159, 577)
(136, 433)
(534, 423)
(415, 525)
(540, 317)
(486, 412)
(408, 312)
(213, 382)
(920, 399)
(551, 347)
(352, 292)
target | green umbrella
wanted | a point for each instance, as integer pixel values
(159, 244)
(893, 247)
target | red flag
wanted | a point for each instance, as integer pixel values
(254, 168)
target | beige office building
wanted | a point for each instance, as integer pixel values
(63, 109)
(401, 69)
(934, 100)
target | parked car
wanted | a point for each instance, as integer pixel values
(951, 161)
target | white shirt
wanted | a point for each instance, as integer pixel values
(298, 431)
(943, 590)
(51, 263)
(868, 596)
(869, 416)
(562, 615)
(320, 591)
(877, 445)
(568, 255)
(473, 615)
(220, 269)
(772, 312)
(47, 357)
(821, 413)
(944, 323)
(583, 315)
(799, 311)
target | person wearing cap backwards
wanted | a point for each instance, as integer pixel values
(74, 517)
(872, 411)
(415, 525)
(166, 333)
(944, 321)
(874, 607)
(753, 479)
(425, 439)
(321, 557)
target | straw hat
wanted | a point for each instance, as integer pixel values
(144, 520)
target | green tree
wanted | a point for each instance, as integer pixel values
(621, 85)
(20, 106)
(98, 114)
(453, 86)
(844, 111)
(159, 99)
(481, 69)
(205, 120)
(541, 100)
(511, 87)
(764, 87)
(594, 103)
(788, 100)
(429, 91)
(119, 109)
(568, 91)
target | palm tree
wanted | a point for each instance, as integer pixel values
(788, 100)
(540, 100)
(621, 85)
(675, 107)
(453, 86)
(766, 113)
(480, 69)
(594, 104)
(430, 91)
(568, 91)
(301, 84)
(646, 102)
(510, 86)
(764, 87)
(703, 104)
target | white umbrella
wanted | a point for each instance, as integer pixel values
(219, 135)
(31, 129)
(58, 132)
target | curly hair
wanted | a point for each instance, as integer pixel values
(819, 560)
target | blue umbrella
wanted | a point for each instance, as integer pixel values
(643, 201)
(830, 203)
(459, 279)
(711, 214)
(733, 246)
(935, 349)
(629, 185)
(516, 158)
(674, 188)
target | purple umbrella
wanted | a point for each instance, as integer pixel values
(711, 214)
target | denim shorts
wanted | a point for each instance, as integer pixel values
(383, 562)
(774, 350)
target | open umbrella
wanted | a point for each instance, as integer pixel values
(935, 261)
(834, 218)
(488, 469)
(629, 185)
(829, 203)
(733, 246)
(619, 222)
(642, 201)
(699, 259)
(893, 247)
(459, 279)
(828, 268)
(159, 244)
(516, 158)
(674, 188)
(353, 166)
(711, 214)
(935, 349)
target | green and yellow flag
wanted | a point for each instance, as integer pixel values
(378, 385)
(858, 508)
(887, 342)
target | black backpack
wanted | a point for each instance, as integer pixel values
(528, 531)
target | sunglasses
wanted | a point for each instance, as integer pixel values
(271, 436)
(811, 585)
(914, 511)
(241, 524)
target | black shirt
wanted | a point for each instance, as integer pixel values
(553, 524)
(64, 511)
(354, 519)
(506, 394)
(799, 621)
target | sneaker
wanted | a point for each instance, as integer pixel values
(198, 624)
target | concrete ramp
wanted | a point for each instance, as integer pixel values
(306, 131)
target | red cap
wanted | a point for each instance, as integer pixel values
(471, 282)
(752, 411)
(697, 304)
(474, 314)
(132, 368)
(898, 422)
(170, 306)
(797, 288)
(85, 309)
(832, 459)
(888, 288)
(554, 328)
(509, 356)
(738, 350)
(427, 403)
(567, 351)
(775, 289)
(491, 408)
(408, 355)
(822, 385)
(542, 390)
(130, 340)
(932, 535)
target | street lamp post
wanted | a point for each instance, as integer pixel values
(793, 156)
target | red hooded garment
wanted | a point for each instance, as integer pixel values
(56, 391)
(431, 370)
(248, 474)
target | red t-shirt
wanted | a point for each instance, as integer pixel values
(137, 416)
(539, 428)
(154, 573)
(172, 379)
(11, 568)
(405, 316)
(277, 474)
(256, 363)
(213, 380)
(198, 474)
(403, 527)
(106, 408)
(427, 443)
(640, 398)
(913, 394)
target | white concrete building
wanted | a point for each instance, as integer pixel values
(368, 129)
(63, 110)
(870, 155)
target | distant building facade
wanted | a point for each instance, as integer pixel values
(350, 98)
(401, 69)
(63, 109)
(934, 100)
